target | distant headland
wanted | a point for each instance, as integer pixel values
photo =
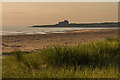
(66, 23)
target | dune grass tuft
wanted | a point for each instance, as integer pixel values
(91, 54)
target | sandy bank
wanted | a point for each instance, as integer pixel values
(37, 41)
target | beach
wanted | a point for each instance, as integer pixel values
(33, 42)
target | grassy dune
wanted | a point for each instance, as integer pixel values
(98, 59)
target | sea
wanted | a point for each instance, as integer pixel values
(42, 30)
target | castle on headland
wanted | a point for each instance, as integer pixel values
(65, 22)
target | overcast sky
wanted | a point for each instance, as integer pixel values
(32, 13)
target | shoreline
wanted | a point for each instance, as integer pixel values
(66, 31)
(33, 42)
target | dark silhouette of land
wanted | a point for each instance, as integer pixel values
(66, 23)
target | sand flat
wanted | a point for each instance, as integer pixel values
(39, 41)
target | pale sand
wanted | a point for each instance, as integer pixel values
(38, 41)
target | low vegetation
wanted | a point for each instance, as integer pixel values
(99, 59)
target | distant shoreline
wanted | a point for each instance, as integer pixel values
(66, 23)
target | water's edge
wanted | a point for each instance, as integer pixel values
(46, 30)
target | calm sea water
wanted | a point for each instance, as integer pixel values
(40, 30)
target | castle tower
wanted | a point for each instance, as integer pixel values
(66, 21)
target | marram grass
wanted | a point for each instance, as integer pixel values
(98, 59)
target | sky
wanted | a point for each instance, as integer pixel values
(44, 13)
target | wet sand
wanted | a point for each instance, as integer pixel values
(39, 41)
